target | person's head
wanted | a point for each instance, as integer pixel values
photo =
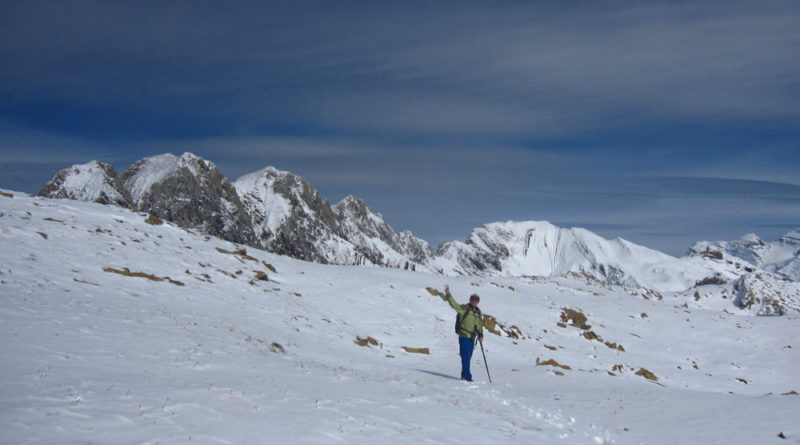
(474, 299)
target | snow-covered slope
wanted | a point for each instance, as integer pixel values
(119, 331)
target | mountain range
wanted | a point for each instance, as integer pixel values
(282, 213)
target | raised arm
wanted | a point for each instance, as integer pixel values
(457, 307)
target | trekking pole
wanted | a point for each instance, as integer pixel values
(484, 362)
(475, 333)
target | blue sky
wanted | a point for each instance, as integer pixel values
(662, 123)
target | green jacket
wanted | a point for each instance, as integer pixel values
(471, 321)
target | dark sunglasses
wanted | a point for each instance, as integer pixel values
(475, 298)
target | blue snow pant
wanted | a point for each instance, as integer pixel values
(465, 345)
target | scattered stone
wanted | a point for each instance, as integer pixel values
(436, 293)
(277, 348)
(590, 335)
(126, 272)
(366, 341)
(577, 318)
(553, 363)
(261, 276)
(647, 374)
(154, 220)
(417, 350)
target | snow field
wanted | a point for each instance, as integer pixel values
(198, 349)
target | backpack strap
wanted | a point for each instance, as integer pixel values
(468, 308)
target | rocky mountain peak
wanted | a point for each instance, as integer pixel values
(94, 182)
(189, 191)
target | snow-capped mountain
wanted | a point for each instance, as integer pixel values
(186, 190)
(190, 192)
(92, 182)
(709, 276)
(290, 217)
(539, 248)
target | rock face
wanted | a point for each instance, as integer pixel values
(376, 240)
(93, 182)
(290, 217)
(190, 192)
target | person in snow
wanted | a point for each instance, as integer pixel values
(468, 326)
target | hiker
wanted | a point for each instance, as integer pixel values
(469, 324)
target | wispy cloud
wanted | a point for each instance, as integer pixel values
(523, 69)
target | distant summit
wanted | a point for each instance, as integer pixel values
(92, 182)
(781, 257)
(539, 248)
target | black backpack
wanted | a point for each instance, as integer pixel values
(460, 319)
